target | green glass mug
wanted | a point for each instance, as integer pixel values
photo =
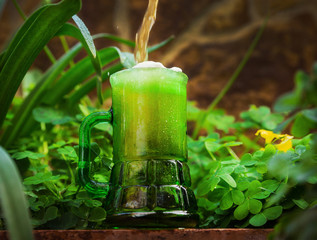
(150, 180)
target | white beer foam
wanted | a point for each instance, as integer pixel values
(151, 64)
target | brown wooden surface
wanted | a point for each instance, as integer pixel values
(131, 234)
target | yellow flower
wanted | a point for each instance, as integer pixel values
(286, 143)
(271, 137)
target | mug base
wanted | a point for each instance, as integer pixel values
(158, 219)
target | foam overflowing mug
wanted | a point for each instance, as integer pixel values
(150, 180)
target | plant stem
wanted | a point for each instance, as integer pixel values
(49, 54)
(73, 180)
(19, 9)
(232, 153)
(23, 16)
(212, 156)
(204, 114)
(66, 48)
(45, 144)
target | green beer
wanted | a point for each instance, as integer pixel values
(150, 180)
(149, 112)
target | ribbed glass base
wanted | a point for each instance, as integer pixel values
(168, 219)
(151, 193)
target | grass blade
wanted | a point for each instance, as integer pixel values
(13, 202)
(71, 30)
(27, 44)
(115, 38)
(159, 45)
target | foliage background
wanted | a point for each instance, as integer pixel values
(237, 183)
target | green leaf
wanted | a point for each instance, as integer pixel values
(300, 149)
(269, 151)
(247, 160)
(301, 126)
(50, 115)
(28, 43)
(228, 179)
(57, 144)
(159, 45)
(213, 166)
(212, 146)
(91, 50)
(273, 213)
(240, 169)
(226, 170)
(50, 213)
(231, 144)
(13, 203)
(205, 203)
(27, 154)
(92, 203)
(301, 203)
(67, 151)
(261, 167)
(81, 212)
(258, 220)
(270, 185)
(97, 214)
(310, 114)
(237, 196)
(204, 187)
(126, 58)
(214, 182)
(86, 35)
(254, 187)
(243, 185)
(255, 206)
(118, 39)
(226, 201)
(242, 211)
(40, 178)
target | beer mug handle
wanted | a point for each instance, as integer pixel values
(95, 188)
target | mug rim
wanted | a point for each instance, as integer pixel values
(178, 76)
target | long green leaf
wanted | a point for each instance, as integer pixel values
(13, 202)
(91, 50)
(24, 112)
(27, 44)
(86, 36)
(115, 38)
(71, 30)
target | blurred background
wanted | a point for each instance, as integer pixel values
(211, 38)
